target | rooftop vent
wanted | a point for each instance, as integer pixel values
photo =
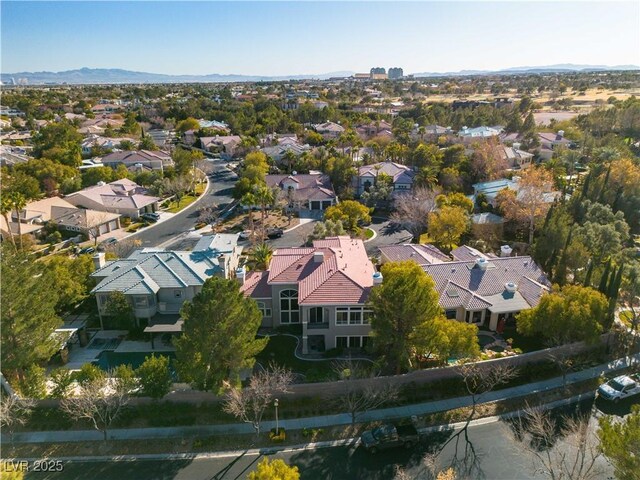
(377, 278)
(510, 287)
(505, 251)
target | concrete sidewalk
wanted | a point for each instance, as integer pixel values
(322, 421)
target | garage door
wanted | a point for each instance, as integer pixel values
(113, 224)
(103, 229)
(315, 205)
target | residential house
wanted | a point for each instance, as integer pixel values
(424, 254)
(551, 141)
(470, 135)
(139, 160)
(222, 246)
(329, 130)
(91, 223)
(401, 175)
(284, 145)
(488, 291)
(515, 158)
(491, 189)
(124, 197)
(429, 133)
(10, 156)
(373, 129)
(97, 141)
(225, 145)
(324, 288)
(157, 282)
(311, 191)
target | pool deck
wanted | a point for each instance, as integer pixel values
(78, 356)
(130, 346)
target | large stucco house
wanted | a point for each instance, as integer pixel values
(323, 288)
(474, 287)
(402, 177)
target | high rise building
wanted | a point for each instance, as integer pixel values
(395, 72)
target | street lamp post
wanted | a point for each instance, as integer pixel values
(275, 404)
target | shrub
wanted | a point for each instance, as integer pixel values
(155, 377)
(62, 380)
(127, 377)
(89, 373)
(280, 437)
(34, 384)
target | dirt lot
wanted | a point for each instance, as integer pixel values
(241, 222)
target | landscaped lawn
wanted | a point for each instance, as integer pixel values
(186, 200)
(280, 350)
(523, 342)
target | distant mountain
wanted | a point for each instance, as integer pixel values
(560, 68)
(115, 75)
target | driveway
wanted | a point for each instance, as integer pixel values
(386, 234)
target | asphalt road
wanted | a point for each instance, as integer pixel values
(221, 181)
(497, 457)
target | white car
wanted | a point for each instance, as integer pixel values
(244, 235)
(619, 388)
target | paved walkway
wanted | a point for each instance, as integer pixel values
(322, 421)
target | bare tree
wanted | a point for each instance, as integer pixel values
(249, 404)
(14, 411)
(208, 215)
(93, 230)
(101, 401)
(123, 248)
(412, 210)
(426, 470)
(576, 459)
(480, 379)
(363, 392)
(565, 362)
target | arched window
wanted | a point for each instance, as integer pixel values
(316, 315)
(289, 311)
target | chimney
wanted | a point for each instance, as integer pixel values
(482, 263)
(510, 287)
(99, 260)
(377, 278)
(505, 251)
(241, 274)
(318, 257)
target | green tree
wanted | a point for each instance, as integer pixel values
(275, 469)
(350, 213)
(119, 311)
(60, 142)
(572, 313)
(130, 124)
(27, 332)
(620, 442)
(455, 200)
(92, 176)
(155, 377)
(185, 160)
(62, 379)
(219, 335)
(147, 143)
(187, 124)
(447, 225)
(445, 338)
(126, 377)
(34, 384)
(405, 301)
(72, 280)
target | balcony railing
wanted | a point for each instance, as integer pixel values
(317, 326)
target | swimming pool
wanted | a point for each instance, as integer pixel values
(485, 339)
(104, 343)
(108, 360)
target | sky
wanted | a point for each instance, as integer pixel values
(287, 38)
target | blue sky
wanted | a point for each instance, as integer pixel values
(279, 38)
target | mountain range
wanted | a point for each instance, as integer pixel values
(114, 75)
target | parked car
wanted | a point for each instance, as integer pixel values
(86, 250)
(244, 235)
(107, 243)
(621, 387)
(389, 436)
(151, 216)
(274, 232)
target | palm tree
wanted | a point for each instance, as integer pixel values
(249, 200)
(289, 159)
(18, 201)
(264, 197)
(427, 177)
(6, 206)
(260, 257)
